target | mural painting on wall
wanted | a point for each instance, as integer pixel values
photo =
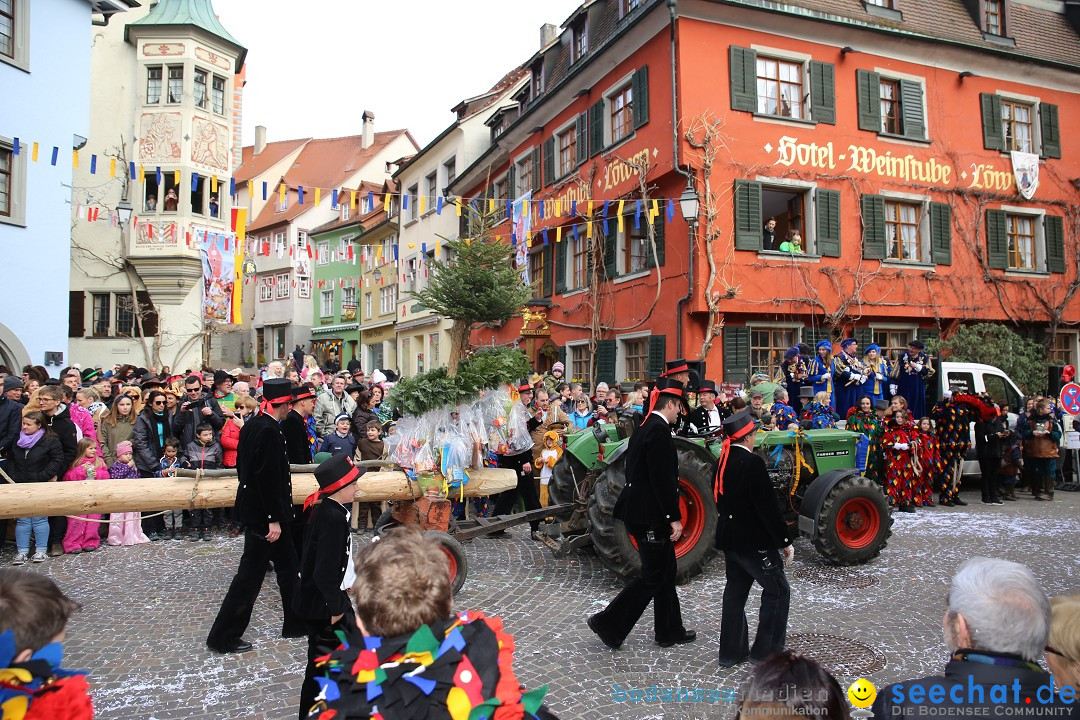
(149, 235)
(163, 49)
(212, 57)
(160, 137)
(210, 145)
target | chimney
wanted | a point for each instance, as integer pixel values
(369, 129)
(548, 33)
(1072, 14)
(260, 138)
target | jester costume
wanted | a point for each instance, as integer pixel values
(929, 461)
(820, 369)
(876, 386)
(910, 375)
(870, 425)
(952, 424)
(38, 689)
(820, 416)
(901, 446)
(792, 376)
(456, 669)
(783, 415)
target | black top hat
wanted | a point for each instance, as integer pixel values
(151, 382)
(707, 386)
(667, 386)
(303, 392)
(332, 475)
(524, 386)
(221, 376)
(881, 405)
(806, 392)
(277, 391)
(675, 366)
(739, 425)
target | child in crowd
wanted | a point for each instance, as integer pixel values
(548, 457)
(167, 465)
(341, 441)
(203, 453)
(370, 447)
(36, 456)
(125, 528)
(82, 532)
(928, 458)
(33, 617)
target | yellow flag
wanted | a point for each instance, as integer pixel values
(621, 204)
(213, 183)
(437, 248)
(457, 206)
(378, 253)
(528, 239)
(318, 196)
(281, 194)
(34, 153)
(491, 204)
(558, 234)
(112, 167)
(251, 189)
(386, 202)
(588, 229)
(655, 210)
(524, 208)
(353, 200)
(142, 174)
(176, 177)
(558, 208)
(75, 159)
(421, 200)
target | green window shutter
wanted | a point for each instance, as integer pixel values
(76, 313)
(925, 334)
(1054, 230)
(873, 218)
(639, 91)
(993, 134)
(864, 337)
(581, 141)
(511, 181)
(743, 67)
(940, 233)
(605, 361)
(549, 265)
(823, 92)
(610, 254)
(549, 160)
(736, 354)
(827, 206)
(562, 359)
(1051, 136)
(911, 105)
(657, 354)
(658, 236)
(596, 128)
(536, 170)
(997, 239)
(747, 205)
(868, 85)
(560, 267)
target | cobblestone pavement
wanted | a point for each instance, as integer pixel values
(146, 610)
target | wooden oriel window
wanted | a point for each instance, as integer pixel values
(622, 114)
(902, 241)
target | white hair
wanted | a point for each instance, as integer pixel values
(779, 395)
(275, 369)
(1005, 608)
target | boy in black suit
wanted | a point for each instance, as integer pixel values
(649, 505)
(754, 537)
(326, 569)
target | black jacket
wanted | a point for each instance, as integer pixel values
(64, 427)
(264, 493)
(10, 424)
(699, 418)
(894, 701)
(651, 495)
(296, 439)
(185, 421)
(360, 419)
(322, 567)
(148, 449)
(987, 443)
(748, 513)
(40, 463)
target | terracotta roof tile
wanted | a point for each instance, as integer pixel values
(252, 165)
(326, 163)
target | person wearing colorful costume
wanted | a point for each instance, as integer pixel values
(900, 444)
(877, 382)
(455, 666)
(820, 413)
(910, 374)
(849, 374)
(820, 369)
(861, 419)
(33, 686)
(783, 413)
(792, 375)
(929, 461)
(952, 416)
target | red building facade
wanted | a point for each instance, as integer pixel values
(880, 131)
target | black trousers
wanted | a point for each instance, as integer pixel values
(57, 530)
(526, 488)
(655, 584)
(990, 468)
(235, 614)
(743, 568)
(321, 639)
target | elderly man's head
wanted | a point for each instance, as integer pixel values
(241, 389)
(998, 606)
(780, 395)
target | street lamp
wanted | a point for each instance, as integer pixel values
(689, 203)
(123, 212)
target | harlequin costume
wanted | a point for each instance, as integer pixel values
(783, 415)
(38, 689)
(820, 416)
(457, 669)
(929, 461)
(952, 418)
(900, 444)
(870, 425)
(910, 375)
(820, 369)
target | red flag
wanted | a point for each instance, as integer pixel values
(309, 253)
(226, 243)
(350, 252)
(232, 221)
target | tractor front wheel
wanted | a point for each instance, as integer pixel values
(854, 522)
(456, 562)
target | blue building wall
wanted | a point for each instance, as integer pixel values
(49, 104)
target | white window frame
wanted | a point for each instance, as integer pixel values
(388, 299)
(348, 297)
(431, 191)
(303, 286)
(1036, 118)
(301, 240)
(346, 209)
(620, 353)
(621, 240)
(793, 57)
(444, 169)
(322, 252)
(17, 191)
(207, 84)
(926, 257)
(166, 79)
(889, 74)
(613, 90)
(519, 176)
(369, 304)
(266, 288)
(568, 127)
(572, 347)
(1039, 216)
(326, 303)
(20, 38)
(807, 188)
(146, 83)
(413, 193)
(224, 94)
(282, 286)
(583, 242)
(281, 243)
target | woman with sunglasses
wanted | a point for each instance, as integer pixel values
(152, 428)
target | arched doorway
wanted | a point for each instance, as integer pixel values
(12, 352)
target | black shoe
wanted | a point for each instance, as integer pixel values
(733, 663)
(297, 633)
(687, 637)
(595, 627)
(907, 508)
(240, 646)
(958, 501)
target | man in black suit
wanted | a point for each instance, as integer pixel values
(264, 507)
(708, 417)
(326, 568)
(295, 425)
(754, 537)
(649, 506)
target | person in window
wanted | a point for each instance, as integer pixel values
(171, 200)
(792, 245)
(213, 206)
(151, 204)
(768, 235)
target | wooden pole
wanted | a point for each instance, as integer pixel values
(92, 497)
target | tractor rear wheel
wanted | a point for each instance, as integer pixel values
(854, 522)
(696, 504)
(456, 561)
(566, 477)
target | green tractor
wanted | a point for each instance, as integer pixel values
(814, 474)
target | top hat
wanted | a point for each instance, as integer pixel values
(806, 392)
(707, 386)
(524, 385)
(667, 386)
(303, 392)
(277, 391)
(332, 475)
(739, 425)
(221, 376)
(881, 405)
(675, 366)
